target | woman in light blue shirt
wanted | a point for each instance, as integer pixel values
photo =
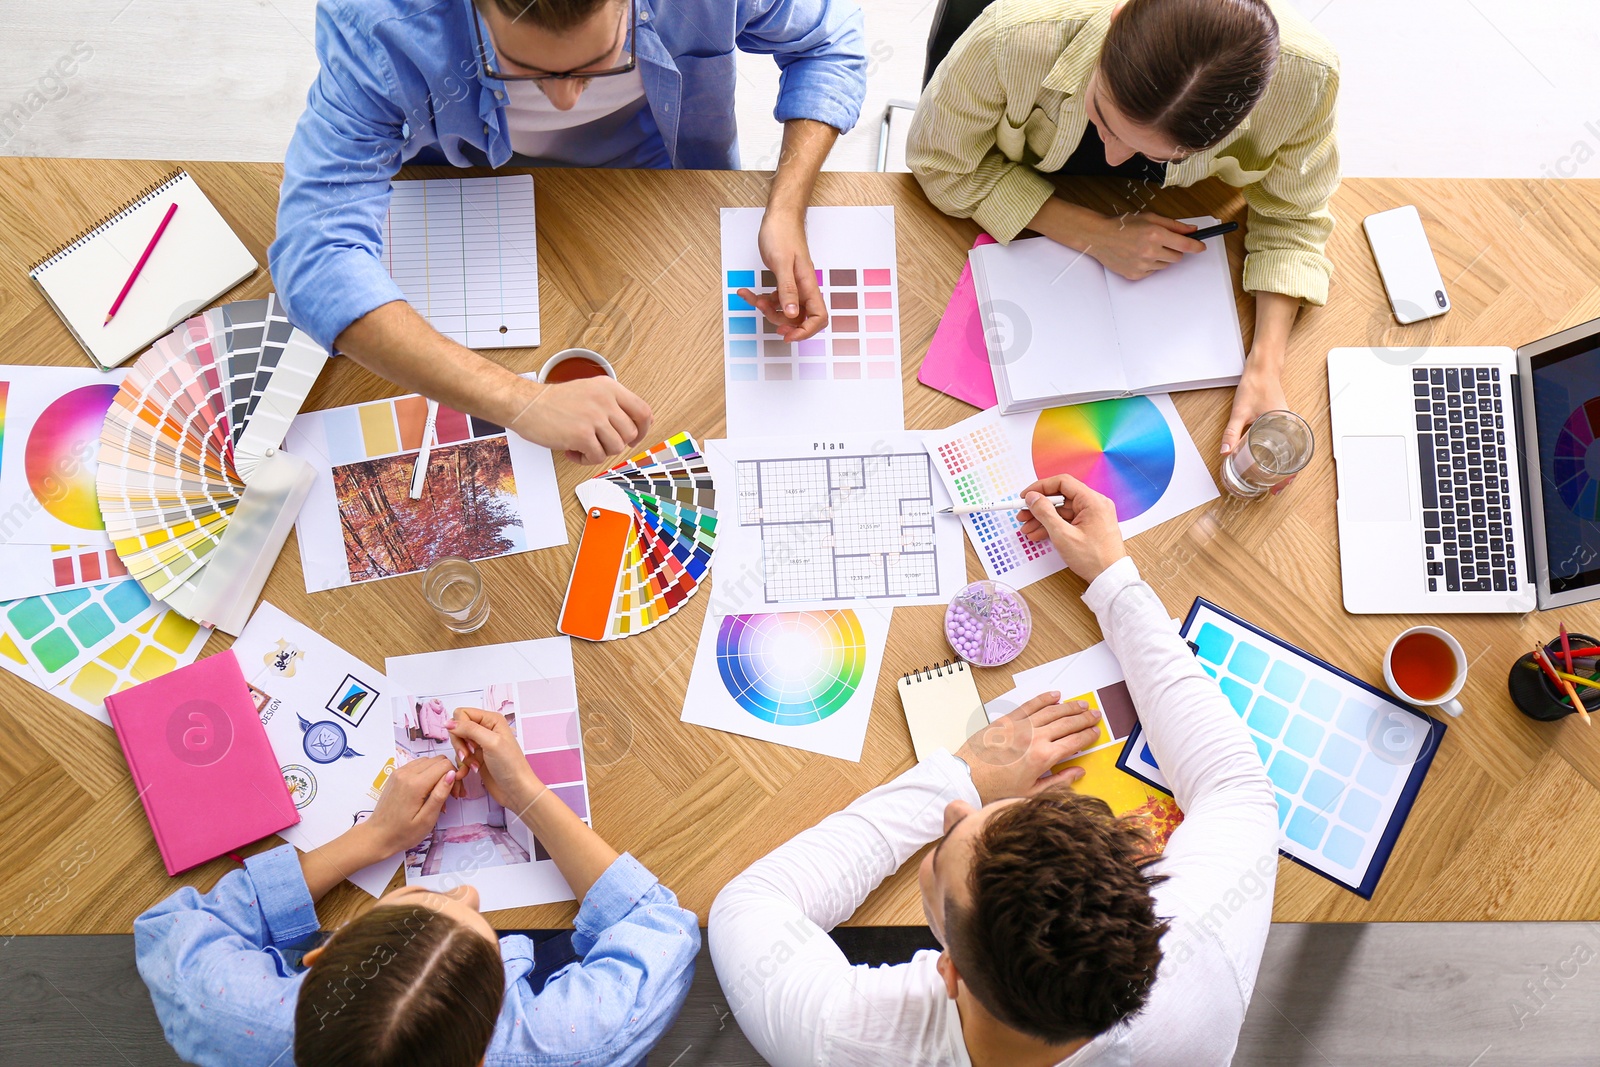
(422, 978)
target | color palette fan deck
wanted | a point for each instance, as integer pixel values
(649, 532)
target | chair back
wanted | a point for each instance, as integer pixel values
(949, 23)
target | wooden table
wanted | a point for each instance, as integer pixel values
(629, 262)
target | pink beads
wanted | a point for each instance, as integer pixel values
(988, 624)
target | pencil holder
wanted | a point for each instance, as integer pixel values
(1536, 696)
(988, 624)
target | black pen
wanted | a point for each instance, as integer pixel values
(1214, 231)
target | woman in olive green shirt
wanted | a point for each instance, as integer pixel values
(1164, 91)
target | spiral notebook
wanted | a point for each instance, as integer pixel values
(942, 707)
(197, 260)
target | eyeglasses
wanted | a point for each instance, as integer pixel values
(489, 70)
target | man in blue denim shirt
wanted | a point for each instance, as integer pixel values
(631, 83)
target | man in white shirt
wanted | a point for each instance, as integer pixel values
(1063, 942)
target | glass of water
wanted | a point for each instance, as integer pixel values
(453, 588)
(1276, 447)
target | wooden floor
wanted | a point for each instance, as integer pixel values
(1505, 823)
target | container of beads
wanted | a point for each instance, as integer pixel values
(988, 624)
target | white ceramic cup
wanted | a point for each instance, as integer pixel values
(1446, 703)
(576, 353)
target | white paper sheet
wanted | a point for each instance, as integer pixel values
(1136, 450)
(845, 378)
(488, 492)
(327, 716)
(477, 841)
(50, 419)
(802, 679)
(842, 521)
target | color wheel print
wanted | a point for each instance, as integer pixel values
(792, 668)
(59, 458)
(1122, 448)
(1576, 466)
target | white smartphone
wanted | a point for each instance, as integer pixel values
(1406, 264)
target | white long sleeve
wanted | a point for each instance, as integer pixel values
(802, 1005)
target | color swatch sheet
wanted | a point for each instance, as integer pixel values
(1095, 676)
(805, 679)
(845, 378)
(842, 521)
(157, 646)
(60, 632)
(957, 360)
(465, 254)
(488, 492)
(50, 419)
(476, 840)
(326, 714)
(1135, 450)
(650, 528)
(1345, 759)
(34, 570)
(195, 417)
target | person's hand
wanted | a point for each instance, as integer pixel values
(1258, 392)
(1008, 756)
(796, 307)
(1136, 246)
(588, 419)
(484, 741)
(1083, 530)
(409, 805)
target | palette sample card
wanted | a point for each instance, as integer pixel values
(805, 679)
(155, 647)
(477, 840)
(465, 254)
(650, 528)
(34, 570)
(60, 632)
(488, 492)
(1134, 450)
(50, 419)
(326, 714)
(825, 523)
(847, 377)
(1345, 759)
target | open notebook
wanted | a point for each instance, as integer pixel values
(1066, 330)
(197, 260)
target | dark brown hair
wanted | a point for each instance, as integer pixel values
(557, 16)
(1060, 940)
(1189, 69)
(402, 985)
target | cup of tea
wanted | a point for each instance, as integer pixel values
(1426, 666)
(570, 364)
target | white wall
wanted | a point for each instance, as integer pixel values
(1430, 88)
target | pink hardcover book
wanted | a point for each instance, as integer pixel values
(201, 761)
(957, 362)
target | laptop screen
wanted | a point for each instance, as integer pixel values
(1566, 401)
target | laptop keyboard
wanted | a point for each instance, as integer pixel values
(1467, 519)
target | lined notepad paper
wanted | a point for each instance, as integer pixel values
(463, 252)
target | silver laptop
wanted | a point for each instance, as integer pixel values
(1434, 450)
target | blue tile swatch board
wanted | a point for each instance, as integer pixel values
(1345, 759)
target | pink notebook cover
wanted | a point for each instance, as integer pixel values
(957, 362)
(201, 761)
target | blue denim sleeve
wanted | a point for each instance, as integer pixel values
(346, 147)
(820, 48)
(612, 1006)
(222, 990)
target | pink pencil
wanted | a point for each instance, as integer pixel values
(139, 266)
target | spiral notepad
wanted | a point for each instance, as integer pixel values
(197, 260)
(942, 707)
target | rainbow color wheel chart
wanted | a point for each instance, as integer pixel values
(791, 668)
(1122, 448)
(1134, 450)
(50, 420)
(1576, 465)
(804, 679)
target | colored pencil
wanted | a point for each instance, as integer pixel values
(1592, 650)
(1566, 647)
(419, 473)
(1577, 679)
(1538, 657)
(139, 266)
